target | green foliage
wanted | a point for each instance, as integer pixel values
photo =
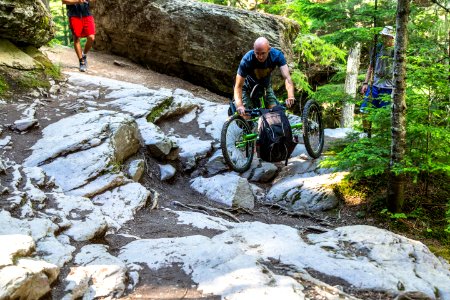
(4, 87)
(331, 96)
(156, 112)
(386, 212)
(311, 49)
(365, 157)
(32, 79)
(63, 33)
(311, 52)
(289, 9)
(54, 71)
(447, 214)
(301, 81)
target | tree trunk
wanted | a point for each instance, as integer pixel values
(350, 85)
(396, 185)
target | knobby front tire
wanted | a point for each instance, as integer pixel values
(237, 153)
(313, 133)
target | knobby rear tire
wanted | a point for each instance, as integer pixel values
(313, 132)
(233, 130)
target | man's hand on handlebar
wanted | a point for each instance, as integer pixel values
(289, 102)
(241, 110)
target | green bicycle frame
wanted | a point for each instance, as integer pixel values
(252, 137)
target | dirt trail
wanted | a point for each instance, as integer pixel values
(103, 64)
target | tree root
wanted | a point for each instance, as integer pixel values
(205, 209)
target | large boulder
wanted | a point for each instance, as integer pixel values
(26, 22)
(199, 42)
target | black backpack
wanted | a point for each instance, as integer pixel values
(275, 141)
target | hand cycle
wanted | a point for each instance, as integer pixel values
(238, 137)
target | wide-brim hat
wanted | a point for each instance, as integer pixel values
(388, 30)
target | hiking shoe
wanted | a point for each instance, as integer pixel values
(83, 65)
(84, 56)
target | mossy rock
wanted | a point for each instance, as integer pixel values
(24, 69)
(158, 110)
(26, 22)
(50, 69)
(13, 57)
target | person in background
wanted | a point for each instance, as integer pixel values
(256, 68)
(382, 83)
(82, 25)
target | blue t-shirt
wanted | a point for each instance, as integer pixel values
(256, 72)
(78, 10)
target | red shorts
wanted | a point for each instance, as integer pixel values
(82, 27)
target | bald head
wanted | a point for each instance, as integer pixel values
(261, 48)
(261, 42)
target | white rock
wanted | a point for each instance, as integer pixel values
(366, 257)
(139, 106)
(158, 144)
(51, 271)
(98, 274)
(388, 259)
(181, 103)
(212, 117)
(83, 131)
(54, 251)
(83, 219)
(337, 133)
(22, 283)
(308, 191)
(193, 149)
(259, 193)
(55, 89)
(234, 274)
(35, 174)
(299, 150)
(261, 171)
(86, 164)
(100, 184)
(119, 205)
(42, 227)
(208, 222)
(14, 245)
(10, 225)
(78, 81)
(25, 124)
(5, 141)
(136, 169)
(166, 171)
(231, 190)
(189, 116)
(216, 163)
(3, 165)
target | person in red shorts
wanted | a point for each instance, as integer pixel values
(82, 25)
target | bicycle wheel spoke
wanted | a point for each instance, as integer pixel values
(313, 134)
(237, 153)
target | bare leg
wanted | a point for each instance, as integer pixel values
(77, 46)
(89, 42)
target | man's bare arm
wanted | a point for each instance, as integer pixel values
(238, 94)
(367, 80)
(289, 85)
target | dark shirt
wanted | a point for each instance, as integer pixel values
(384, 64)
(78, 10)
(256, 72)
